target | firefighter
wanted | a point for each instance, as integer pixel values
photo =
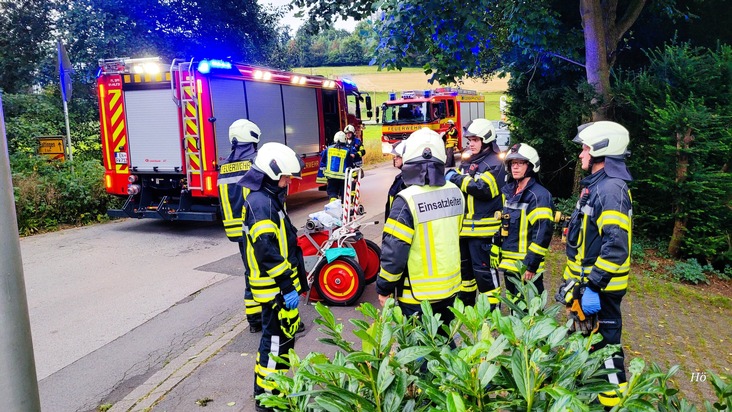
(418, 260)
(274, 258)
(244, 136)
(333, 164)
(599, 238)
(398, 183)
(481, 179)
(355, 146)
(451, 141)
(526, 222)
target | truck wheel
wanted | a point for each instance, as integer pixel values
(372, 263)
(340, 282)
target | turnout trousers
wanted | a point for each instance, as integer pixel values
(611, 328)
(252, 308)
(273, 341)
(475, 253)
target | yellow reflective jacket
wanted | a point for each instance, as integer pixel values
(419, 256)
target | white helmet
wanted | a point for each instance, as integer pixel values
(481, 128)
(522, 151)
(276, 160)
(244, 131)
(398, 149)
(605, 138)
(424, 144)
(339, 137)
(350, 129)
(452, 122)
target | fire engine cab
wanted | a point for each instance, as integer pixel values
(415, 109)
(164, 127)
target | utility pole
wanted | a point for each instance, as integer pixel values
(18, 382)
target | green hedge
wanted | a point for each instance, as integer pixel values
(50, 194)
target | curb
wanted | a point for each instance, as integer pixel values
(145, 396)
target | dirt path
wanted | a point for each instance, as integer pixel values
(670, 324)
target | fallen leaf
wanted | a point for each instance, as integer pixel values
(231, 404)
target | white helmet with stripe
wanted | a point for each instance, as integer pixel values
(244, 131)
(604, 138)
(424, 144)
(276, 160)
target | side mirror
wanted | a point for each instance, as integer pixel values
(369, 114)
(368, 104)
(377, 114)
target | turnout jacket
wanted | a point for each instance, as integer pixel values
(334, 160)
(396, 187)
(271, 244)
(481, 181)
(529, 220)
(418, 255)
(599, 234)
(451, 137)
(356, 147)
(231, 195)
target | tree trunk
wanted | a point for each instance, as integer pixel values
(683, 141)
(596, 64)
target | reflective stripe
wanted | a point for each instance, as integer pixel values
(493, 296)
(399, 230)
(464, 184)
(611, 398)
(538, 249)
(611, 267)
(468, 285)
(510, 265)
(279, 269)
(389, 277)
(617, 283)
(479, 228)
(540, 213)
(513, 255)
(228, 180)
(612, 217)
(262, 227)
(517, 205)
(491, 181)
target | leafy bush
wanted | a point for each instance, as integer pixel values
(521, 361)
(677, 110)
(690, 271)
(49, 194)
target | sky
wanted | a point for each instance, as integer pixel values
(295, 23)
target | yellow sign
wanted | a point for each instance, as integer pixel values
(52, 147)
(471, 98)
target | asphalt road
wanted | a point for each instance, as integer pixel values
(111, 304)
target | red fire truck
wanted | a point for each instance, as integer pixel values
(164, 128)
(415, 109)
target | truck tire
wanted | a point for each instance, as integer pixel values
(372, 265)
(340, 282)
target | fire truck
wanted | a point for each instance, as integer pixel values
(165, 127)
(415, 109)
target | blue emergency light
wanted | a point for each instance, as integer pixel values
(392, 96)
(205, 66)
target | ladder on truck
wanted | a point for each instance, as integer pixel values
(185, 82)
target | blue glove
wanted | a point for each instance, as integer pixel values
(292, 299)
(449, 175)
(590, 302)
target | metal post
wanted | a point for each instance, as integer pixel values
(68, 136)
(18, 384)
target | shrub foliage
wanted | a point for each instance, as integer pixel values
(521, 361)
